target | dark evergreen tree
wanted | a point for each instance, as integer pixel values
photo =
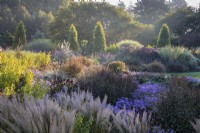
(164, 37)
(20, 35)
(73, 38)
(99, 38)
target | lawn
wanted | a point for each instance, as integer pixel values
(192, 74)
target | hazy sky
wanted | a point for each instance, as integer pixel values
(194, 3)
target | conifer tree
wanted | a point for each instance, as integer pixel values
(73, 38)
(20, 35)
(164, 37)
(99, 38)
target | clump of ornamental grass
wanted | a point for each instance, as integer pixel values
(68, 113)
(75, 66)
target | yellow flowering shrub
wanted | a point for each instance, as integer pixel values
(14, 65)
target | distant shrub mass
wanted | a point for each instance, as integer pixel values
(178, 59)
(40, 45)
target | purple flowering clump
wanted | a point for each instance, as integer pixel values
(146, 96)
(124, 103)
(193, 80)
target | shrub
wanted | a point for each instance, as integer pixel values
(73, 69)
(82, 59)
(114, 48)
(156, 67)
(101, 81)
(15, 70)
(40, 45)
(178, 56)
(73, 38)
(20, 35)
(124, 43)
(164, 37)
(75, 66)
(136, 57)
(179, 105)
(117, 66)
(99, 38)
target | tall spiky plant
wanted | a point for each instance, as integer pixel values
(73, 38)
(20, 35)
(99, 38)
(164, 37)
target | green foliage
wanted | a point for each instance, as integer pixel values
(156, 67)
(149, 11)
(15, 71)
(40, 45)
(135, 57)
(20, 35)
(177, 4)
(92, 12)
(82, 124)
(129, 42)
(114, 48)
(178, 56)
(73, 38)
(179, 106)
(164, 37)
(38, 90)
(117, 66)
(6, 40)
(99, 38)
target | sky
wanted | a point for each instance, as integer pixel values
(194, 3)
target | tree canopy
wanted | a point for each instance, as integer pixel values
(116, 22)
(149, 11)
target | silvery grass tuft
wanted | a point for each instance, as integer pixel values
(196, 125)
(130, 121)
(58, 115)
(43, 116)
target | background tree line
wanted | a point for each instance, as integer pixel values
(52, 19)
